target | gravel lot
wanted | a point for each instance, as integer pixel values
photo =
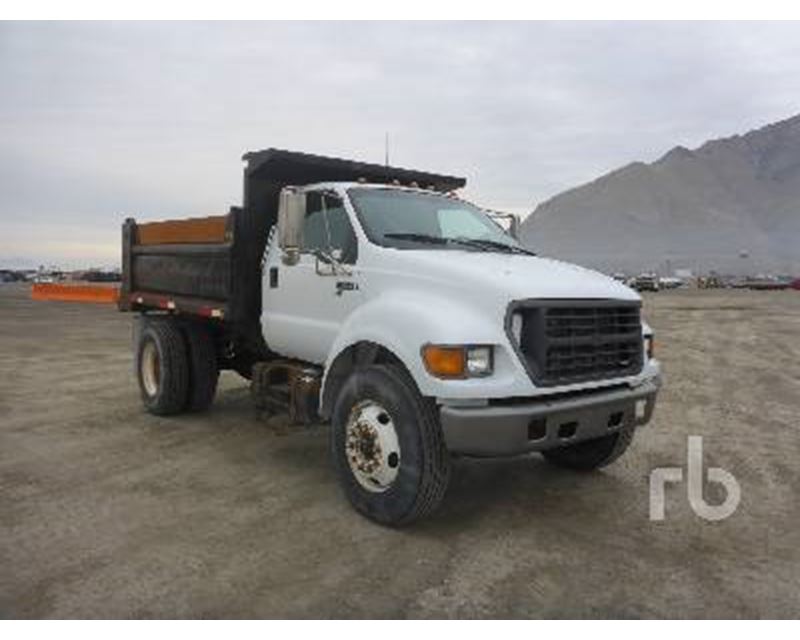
(106, 511)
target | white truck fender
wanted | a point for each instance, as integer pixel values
(404, 321)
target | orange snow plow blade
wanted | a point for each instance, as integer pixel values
(75, 292)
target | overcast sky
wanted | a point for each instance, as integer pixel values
(102, 121)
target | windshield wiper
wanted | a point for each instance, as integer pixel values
(492, 244)
(417, 237)
(475, 243)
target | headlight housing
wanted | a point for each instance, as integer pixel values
(458, 361)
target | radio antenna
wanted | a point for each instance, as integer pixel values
(386, 149)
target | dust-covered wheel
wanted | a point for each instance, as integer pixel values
(162, 367)
(388, 447)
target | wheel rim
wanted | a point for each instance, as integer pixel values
(150, 368)
(371, 446)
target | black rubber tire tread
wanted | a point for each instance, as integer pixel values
(592, 454)
(173, 363)
(203, 367)
(425, 462)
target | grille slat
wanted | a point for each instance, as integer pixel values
(578, 341)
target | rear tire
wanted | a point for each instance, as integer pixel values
(413, 479)
(203, 368)
(592, 454)
(162, 367)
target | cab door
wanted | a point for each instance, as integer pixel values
(305, 304)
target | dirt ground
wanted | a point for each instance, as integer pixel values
(106, 511)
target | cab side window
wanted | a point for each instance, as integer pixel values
(328, 227)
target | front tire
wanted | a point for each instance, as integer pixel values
(162, 367)
(387, 446)
(592, 454)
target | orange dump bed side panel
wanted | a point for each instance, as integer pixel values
(189, 231)
(75, 292)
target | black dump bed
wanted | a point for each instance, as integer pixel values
(212, 266)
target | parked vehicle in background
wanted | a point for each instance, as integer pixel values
(99, 275)
(709, 282)
(767, 283)
(795, 284)
(669, 282)
(375, 299)
(48, 275)
(9, 275)
(646, 282)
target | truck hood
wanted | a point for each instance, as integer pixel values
(515, 275)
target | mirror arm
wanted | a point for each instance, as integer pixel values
(337, 267)
(324, 257)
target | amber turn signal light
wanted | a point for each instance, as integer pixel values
(445, 361)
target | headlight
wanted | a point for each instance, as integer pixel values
(458, 361)
(650, 346)
(479, 361)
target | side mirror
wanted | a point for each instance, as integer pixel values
(291, 212)
(513, 222)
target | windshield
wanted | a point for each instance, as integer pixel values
(414, 220)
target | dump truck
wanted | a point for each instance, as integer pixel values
(377, 301)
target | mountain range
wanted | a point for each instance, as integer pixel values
(731, 205)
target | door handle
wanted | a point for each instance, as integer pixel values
(345, 285)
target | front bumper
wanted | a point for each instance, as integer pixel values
(510, 429)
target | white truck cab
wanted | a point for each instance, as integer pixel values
(420, 328)
(515, 352)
